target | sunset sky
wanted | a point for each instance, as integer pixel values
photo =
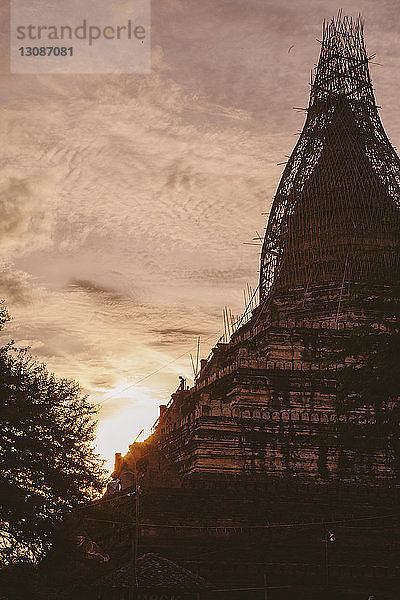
(126, 200)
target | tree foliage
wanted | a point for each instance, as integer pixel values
(48, 464)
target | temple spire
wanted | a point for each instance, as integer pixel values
(335, 215)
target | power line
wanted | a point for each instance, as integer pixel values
(187, 353)
(248, 527)
(103, 500)
(134, 384)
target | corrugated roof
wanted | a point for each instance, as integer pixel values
(156, 573)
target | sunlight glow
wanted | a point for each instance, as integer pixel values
(130, 414)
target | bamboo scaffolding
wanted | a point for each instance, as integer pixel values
(339, 195)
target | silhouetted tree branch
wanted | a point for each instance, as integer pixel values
(48, 464)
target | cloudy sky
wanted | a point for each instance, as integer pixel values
(126, 200)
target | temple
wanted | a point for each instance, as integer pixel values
(266, 402)
(277, 473)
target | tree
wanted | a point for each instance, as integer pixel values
(48, 464)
